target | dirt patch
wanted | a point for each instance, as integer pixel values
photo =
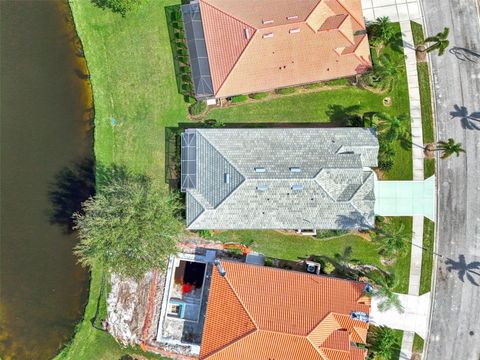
(127, 306)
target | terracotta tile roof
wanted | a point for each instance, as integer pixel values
(256, 45)
(264, 313)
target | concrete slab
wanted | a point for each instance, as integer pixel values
(390, 11)
(414, 318)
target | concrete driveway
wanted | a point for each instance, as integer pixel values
(414, 318)
(396, 10)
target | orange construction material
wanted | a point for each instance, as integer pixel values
(243, 248)
(151, 302)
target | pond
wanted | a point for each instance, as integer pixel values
(46, 116)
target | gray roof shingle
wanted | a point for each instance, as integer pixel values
(332, 187)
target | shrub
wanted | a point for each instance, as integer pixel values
(206, 234)
(179, 35)
(323, 234)
(198, 108)
(186, 78)
(337, 82)
(286, 91)
(239, 98)
(177, 25)
(328, 267)
(187, 88)
(181, 45)
(385, 164)
(268, 262)
(354, 121)
(185, 70)
(176, 14)
(183, 59)
(182, 52)
(259, 96)
(189, 99)
(313, 85)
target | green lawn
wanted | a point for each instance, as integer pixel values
(133, 81)
(90, 343)
(132, 75)
(427, 259)
(281, 245)
(418, 344)
(425, 99)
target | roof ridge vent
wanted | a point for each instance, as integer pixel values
(293, 17)
(268, 35)
(297, 187)
(294, 30)
(269, 21)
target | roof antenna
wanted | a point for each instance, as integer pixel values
(220, 268)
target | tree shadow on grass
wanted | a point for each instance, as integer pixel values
(339, 113)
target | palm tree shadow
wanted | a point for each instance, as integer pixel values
(464, 269)
(469, 121)
(464, 54)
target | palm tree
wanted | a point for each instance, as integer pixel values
(384, 29)
(393, 241)
(387, 68)
(440, 42)
(449, 148)
(383, 289)
(391, 126)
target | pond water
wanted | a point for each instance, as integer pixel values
(45, 130)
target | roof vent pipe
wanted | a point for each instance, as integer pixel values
(220, 268)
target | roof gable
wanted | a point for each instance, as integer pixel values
(263, 313)
(257, 45)
(309, 177)
(226, 37)
(227, 318)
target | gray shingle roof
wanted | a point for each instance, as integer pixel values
(332, 187)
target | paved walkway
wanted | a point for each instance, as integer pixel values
(396, 10)
(418, 174)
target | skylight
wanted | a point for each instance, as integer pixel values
(260, 169)
(295, 169)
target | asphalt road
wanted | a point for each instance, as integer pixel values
(455, 321)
